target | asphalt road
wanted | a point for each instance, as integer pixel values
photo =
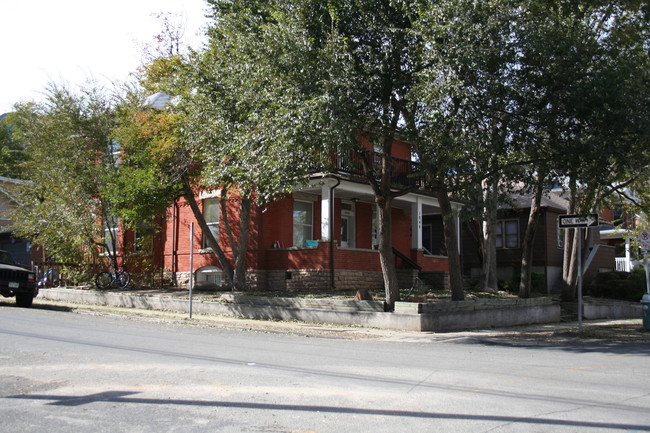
(64, 371)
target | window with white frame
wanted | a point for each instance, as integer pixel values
(212, 217)
(110, 234)
(507, 234)
(302, 222)
(209, 275)
(375, 228)
(115, 150)
(348, 224)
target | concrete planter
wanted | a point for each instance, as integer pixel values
(443, 316)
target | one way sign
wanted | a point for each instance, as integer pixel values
(578, 221)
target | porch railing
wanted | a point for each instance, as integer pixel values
(403, 172)
(622, 264)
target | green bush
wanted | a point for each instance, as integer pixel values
(627, 286)
(538, 282)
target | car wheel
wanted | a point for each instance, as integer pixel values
(24, 300)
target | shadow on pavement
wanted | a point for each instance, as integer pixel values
(125, 397)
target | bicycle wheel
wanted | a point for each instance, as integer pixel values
(123, 279)
(103, 280)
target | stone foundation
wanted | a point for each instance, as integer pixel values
(319, 280)
(305, 280)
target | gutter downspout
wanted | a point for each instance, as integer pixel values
(331, 234)
(174, 224)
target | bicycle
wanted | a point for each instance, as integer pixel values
(48, 279)
(113, 278)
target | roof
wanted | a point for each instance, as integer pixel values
(553, 200)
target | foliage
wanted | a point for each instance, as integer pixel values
(78, 177)
(12, 153)
(330, 72)
(628, 286)
(70, 160)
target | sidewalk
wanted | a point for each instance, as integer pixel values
(627, 331)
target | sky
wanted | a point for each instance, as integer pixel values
(73, 41)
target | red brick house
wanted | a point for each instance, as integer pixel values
(321, 237)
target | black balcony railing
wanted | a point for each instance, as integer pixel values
(404, 173)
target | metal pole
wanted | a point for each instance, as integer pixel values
(647, 271)
(191, 267)
(579, 279)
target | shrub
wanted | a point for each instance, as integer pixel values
(628, 286)
(537, 282)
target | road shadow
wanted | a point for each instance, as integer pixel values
(611, 338)
(37, 306)
(127, 397)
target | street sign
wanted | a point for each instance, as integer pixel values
(578, 221)
(644, 240)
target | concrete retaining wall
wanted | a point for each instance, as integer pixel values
(407, 316)
(611, 309)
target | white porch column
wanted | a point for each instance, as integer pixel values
(327, 194)
(416, 224)
(628, 256)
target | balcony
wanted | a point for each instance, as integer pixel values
(404, 173)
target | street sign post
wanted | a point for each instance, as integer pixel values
(644, 243)
(644, 240)
(578, 222)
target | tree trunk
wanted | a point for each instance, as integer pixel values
(451, 242)
(239, 273)
(489, 280)
(527, 247)
(386, 256)
(213, 243)
(568, 264)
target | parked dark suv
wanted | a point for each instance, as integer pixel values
(16, 281)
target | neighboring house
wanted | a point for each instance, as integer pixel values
(322, 237)
(548, 249)
(20, 250)
(617, 230)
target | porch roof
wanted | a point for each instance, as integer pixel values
(349, 189)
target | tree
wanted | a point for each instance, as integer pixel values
(345, 70)
(70, 162)
(78, 186)
(466, 108)
(229, 127)
(12, 154)
(584, 71)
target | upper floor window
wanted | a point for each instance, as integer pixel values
(507, 234)
(110, 234)
(302, 222)
(212, 217)
(115, 150)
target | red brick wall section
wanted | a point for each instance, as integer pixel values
(430, 263)
(363, 224)
(401, 231)
(400, 149)
(273, 226)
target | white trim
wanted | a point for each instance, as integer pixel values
(215, 193)
(327, 195)
(416, 224)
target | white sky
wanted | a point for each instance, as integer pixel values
(72, 41)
